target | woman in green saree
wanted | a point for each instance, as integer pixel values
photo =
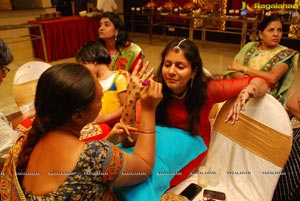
(124, 53)
(279, 65)
(267, 59)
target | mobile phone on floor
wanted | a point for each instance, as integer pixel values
(213, 195)
(191, 191)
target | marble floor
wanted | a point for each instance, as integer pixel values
(215, 57)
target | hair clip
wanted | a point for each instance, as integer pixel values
(177, 47)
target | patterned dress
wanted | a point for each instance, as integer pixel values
(99, 164)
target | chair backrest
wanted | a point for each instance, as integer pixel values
(25, 81)
(248, 157)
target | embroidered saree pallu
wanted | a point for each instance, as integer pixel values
(10, 188)
(266, 60)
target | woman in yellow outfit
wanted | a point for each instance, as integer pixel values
(114, 83)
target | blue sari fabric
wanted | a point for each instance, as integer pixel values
(175, 148)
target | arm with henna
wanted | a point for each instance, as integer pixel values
(256, 87)
(135, 85)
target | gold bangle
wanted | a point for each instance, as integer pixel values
(147, 132)
(245, 70)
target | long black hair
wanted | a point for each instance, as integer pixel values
(196, 94)
(62, 90)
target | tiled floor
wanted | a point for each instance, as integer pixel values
(215, 56)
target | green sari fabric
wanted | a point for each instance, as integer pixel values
(127, 58)
(266, 61)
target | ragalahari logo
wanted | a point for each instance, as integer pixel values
(247, 8)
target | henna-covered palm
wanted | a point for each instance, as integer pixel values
(135, 83)
(134, 88)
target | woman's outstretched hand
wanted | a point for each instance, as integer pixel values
(120, 132)
(238, 106)
(256, 87)
(138, 80)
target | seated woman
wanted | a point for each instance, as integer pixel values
(49, 162)
(276, 63)
(188, 96)
(113, 35)
(7, 124)
(94, 56)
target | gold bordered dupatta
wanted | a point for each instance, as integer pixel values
(266, 61)
(10, 188)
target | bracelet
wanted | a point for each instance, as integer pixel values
(245, 70)
(147, 132)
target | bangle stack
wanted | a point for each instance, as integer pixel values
(146, 132)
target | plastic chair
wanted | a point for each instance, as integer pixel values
(24, 84)
(245, 160)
